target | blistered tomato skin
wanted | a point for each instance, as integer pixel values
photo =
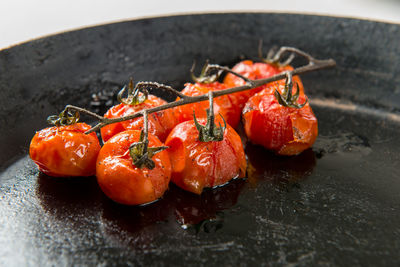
(251, 70)
(223, 105)
(122, 181)
(197, 165)
(160, 123)
(254, 71)
(65, 150)
(285, 130)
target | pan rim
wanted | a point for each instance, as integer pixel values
(194, 13)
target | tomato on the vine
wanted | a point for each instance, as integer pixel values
(197, 165)
(63, 151)
(223, 105)
(285, 130)
(160, 123)
(254, 71)
(124, 182)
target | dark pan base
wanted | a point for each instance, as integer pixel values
(335, 204)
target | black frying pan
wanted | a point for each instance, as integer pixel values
(337, 204)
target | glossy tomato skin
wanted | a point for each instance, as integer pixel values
(65, 150)
(254, 71)
(160, 123)
(196, 164)
(287, 131)
(251, 70)
(222, 105)
(125, 183)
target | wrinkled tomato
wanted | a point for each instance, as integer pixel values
(285, 130)
(160, 123)
(125, 183)
(197, 164)
(254, 71)
(222, 105)
(65, 150)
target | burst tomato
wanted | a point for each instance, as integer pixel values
(254, 71)
(197, 164)
(285, 130)
(65, 150)
(125, 183)
(222, 105)
(160, 123)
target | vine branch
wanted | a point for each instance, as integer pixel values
(313, 64)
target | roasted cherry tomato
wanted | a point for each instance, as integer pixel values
(222, 105)
(285, 130)
(65, 150)
(160, 123)
(124, 182)
(197, 164)
(254, 71)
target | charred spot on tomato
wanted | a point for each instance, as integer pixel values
(297, 133)
(247, 108)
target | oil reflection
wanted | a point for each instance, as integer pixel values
(285, 172)
(67, 197)
(134, 226)
(139, 226)
(205, 212)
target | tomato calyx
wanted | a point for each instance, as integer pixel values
(66, 117)
(140, 151)
(134, 96)
(287, 98)
(210, 132)
(141, 154)
(205, 75)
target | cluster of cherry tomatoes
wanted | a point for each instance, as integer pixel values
(273, 116)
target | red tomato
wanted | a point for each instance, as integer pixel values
(254, 71)
(197, 164)
(125, 183)
(65, 150)
(222, 104)
(285, 130)
(160, 123)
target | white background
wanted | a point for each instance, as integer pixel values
(22, 20)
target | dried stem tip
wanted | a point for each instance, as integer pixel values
(205, 75)
(66, 117)
(134, 96)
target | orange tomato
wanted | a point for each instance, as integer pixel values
(222, 105)
(197, 164)
(285, 130)
(160, 123)
(65, 150)
(125, 183)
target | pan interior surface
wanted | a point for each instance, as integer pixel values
(334, 204)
